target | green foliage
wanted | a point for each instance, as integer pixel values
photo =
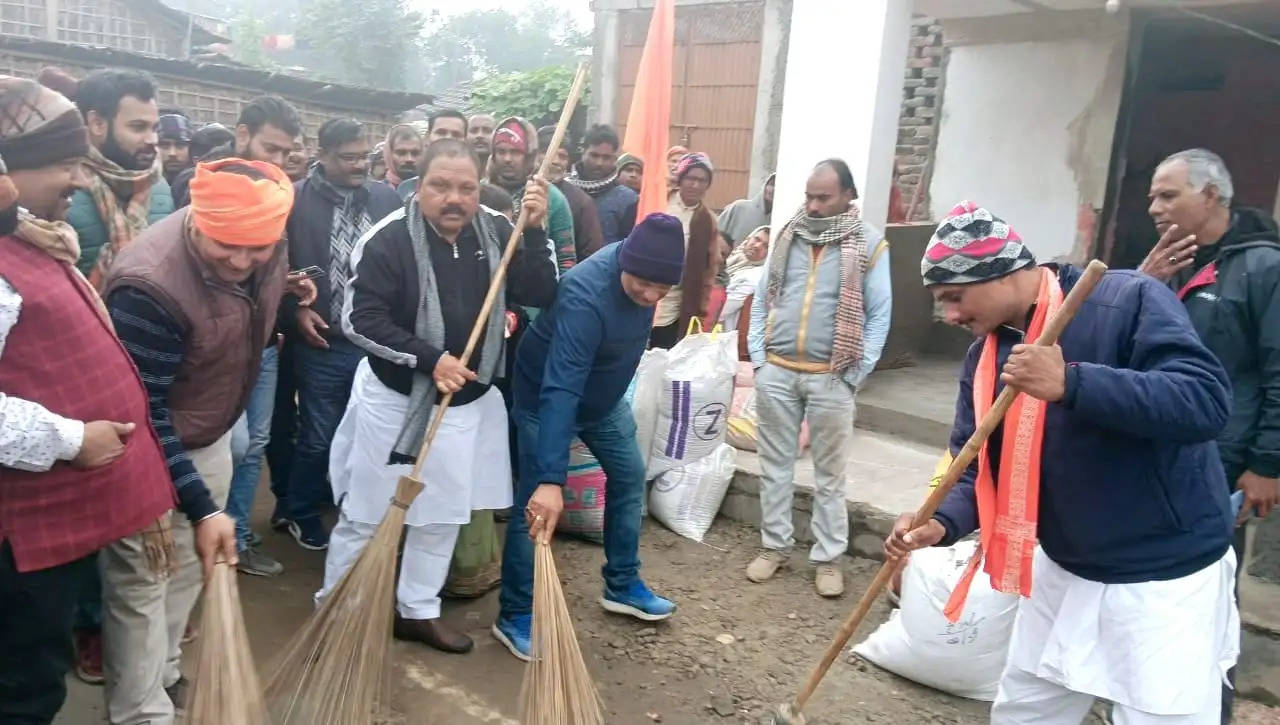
(488, 42)
(369, 42)
(247, 33)
(537, 95)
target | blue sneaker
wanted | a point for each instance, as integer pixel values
(310, 533)
(639, 602)
(515, 634)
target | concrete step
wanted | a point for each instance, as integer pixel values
(886, 476)
(915, 403)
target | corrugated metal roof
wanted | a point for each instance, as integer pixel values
(333, 94)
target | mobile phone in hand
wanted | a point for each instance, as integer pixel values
(312, 272)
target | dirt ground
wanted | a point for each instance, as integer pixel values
(674, 672)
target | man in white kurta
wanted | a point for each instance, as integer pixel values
(1100, 497)
(418, 282)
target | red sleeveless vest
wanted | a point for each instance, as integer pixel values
(62, 355)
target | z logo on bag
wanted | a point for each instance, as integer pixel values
(708, 424)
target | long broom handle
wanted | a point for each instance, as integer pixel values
(499, 277)
(1052, 330)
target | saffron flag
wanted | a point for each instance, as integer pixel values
(649, 121)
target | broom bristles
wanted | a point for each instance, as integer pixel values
(225, 689)
(336, 670)
(557, 688)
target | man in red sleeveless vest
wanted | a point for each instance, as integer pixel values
(80, 465)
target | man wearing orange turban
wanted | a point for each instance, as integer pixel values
(194, 300)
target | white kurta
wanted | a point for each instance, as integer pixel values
(1162, 647)
(468, 468)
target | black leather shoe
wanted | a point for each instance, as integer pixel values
(433, 633)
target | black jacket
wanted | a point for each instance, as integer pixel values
(1233, 298)
(181, 185)
(384, 294)
(308, 230)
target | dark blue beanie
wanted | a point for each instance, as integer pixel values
(654, 251)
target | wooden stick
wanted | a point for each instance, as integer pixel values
(570, 105)
(1052, 331)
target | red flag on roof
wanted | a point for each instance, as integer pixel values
(649, 121)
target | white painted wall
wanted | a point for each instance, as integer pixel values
(1026, 131)
(847, 110)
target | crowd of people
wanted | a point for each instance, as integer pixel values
(181, 305)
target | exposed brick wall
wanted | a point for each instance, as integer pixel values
(921, 106)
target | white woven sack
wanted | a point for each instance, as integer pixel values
(964, 658)
(693, 403)
(687, 499)
(643, 394)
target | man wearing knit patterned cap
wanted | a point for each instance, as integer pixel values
(1100, 499)
(194, 299)
(80, 466)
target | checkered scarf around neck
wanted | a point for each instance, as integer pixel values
(593, 188)
(108, 184)
(847, 231)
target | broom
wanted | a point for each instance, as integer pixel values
(557, 688)
(790, 713)
(336, 670)
(225, 689)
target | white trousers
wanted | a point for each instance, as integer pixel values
(424, 565)
(143, 616)
(1158, 650)
(1025, 699)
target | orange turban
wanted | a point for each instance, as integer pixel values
(238, 208)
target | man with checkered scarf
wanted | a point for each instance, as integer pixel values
(818, 324)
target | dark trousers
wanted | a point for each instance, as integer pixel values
(612, 440)
(324, 379)
(665, 337)
(36, 613)
(284, 426)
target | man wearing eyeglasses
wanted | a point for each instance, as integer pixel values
(336, 204)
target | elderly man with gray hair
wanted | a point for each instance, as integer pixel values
(1224, 262)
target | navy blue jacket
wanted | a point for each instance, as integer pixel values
(1131, 488)
(576, 361)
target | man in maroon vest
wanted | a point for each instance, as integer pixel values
(80, 466)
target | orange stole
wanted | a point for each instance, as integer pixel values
(1007, 513)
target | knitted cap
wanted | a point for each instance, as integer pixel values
(626, 160)
(38, 126)
(973, 245)
(174, 126)
(654, 250)
(692, 161)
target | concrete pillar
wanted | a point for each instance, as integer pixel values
(604, 68)
(842, 98)
(769, 87)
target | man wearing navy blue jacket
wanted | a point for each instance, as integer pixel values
(1103, 481)
(572, 369)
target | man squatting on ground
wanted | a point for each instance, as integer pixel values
(1125, 522)
(572, 368)
(420, 276)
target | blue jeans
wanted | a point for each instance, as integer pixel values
(324, 379)
(249, 440)
(612, 440)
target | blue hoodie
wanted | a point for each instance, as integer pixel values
(575, 363)
(1131, 488)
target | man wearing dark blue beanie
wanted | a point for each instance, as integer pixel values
(571, 371)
